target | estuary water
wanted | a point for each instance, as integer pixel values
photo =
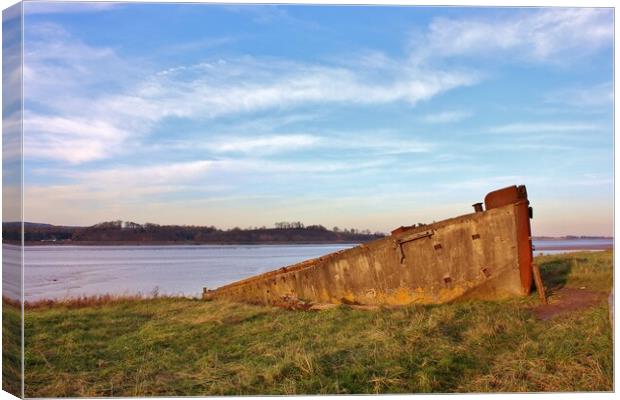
(567, 245)
(70, 271)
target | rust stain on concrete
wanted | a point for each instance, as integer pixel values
(483, 255)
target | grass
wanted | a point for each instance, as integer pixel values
(176, 346)
(11, 347)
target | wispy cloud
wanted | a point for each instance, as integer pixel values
(248, 84)
(11, 138)
(511, 147)
(158, 174)
(544, 127)
(126, 184)
(377, 143)
(594, 96)
(446, 117)
(60, 78)
(12, 36)
(485, 183)
(192, 172)
(70, 139)
(127, 188)
(265, 144)
(62, 71)
(67, 7)
(530, 35)
(270, 14)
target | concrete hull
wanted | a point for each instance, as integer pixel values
(483, 255)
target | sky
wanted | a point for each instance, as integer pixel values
(358, 117)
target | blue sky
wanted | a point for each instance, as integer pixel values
(366, 117)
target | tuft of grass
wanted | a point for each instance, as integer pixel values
(179, 346)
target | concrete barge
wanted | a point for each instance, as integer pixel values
(483, 255)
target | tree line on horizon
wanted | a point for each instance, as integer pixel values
(131, 232)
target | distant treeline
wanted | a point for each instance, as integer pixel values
(118, 232)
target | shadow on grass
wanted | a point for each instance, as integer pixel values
(555, 273)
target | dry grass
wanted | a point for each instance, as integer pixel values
(85, 301)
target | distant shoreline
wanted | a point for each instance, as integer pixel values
(545, 247)
(123, 233)
(130, 233)
(590, 247)
(551, 238)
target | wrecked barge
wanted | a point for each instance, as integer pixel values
(483, 255)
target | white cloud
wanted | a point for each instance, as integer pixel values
(61, 72)
(594, 96)
(134, 181)
(377, 143)
(12, 36)
(486, 183)
(511, 147)
(193, 171)
(12, 137)
(159, 174)
(533, 35)
(247, 85)
(114, 189)
(66, 7)
(446, 117)
(544, 127)
(64, 77)
(265, 144)
(73, 140)
(127, 191)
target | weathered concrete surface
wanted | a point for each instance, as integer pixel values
(471, 256)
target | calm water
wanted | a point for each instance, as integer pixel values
(70, 271)
(564, 246)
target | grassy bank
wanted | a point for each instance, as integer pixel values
(170, 346)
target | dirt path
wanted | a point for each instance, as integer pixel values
(567, 300)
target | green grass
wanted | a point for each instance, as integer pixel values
(172, 346)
